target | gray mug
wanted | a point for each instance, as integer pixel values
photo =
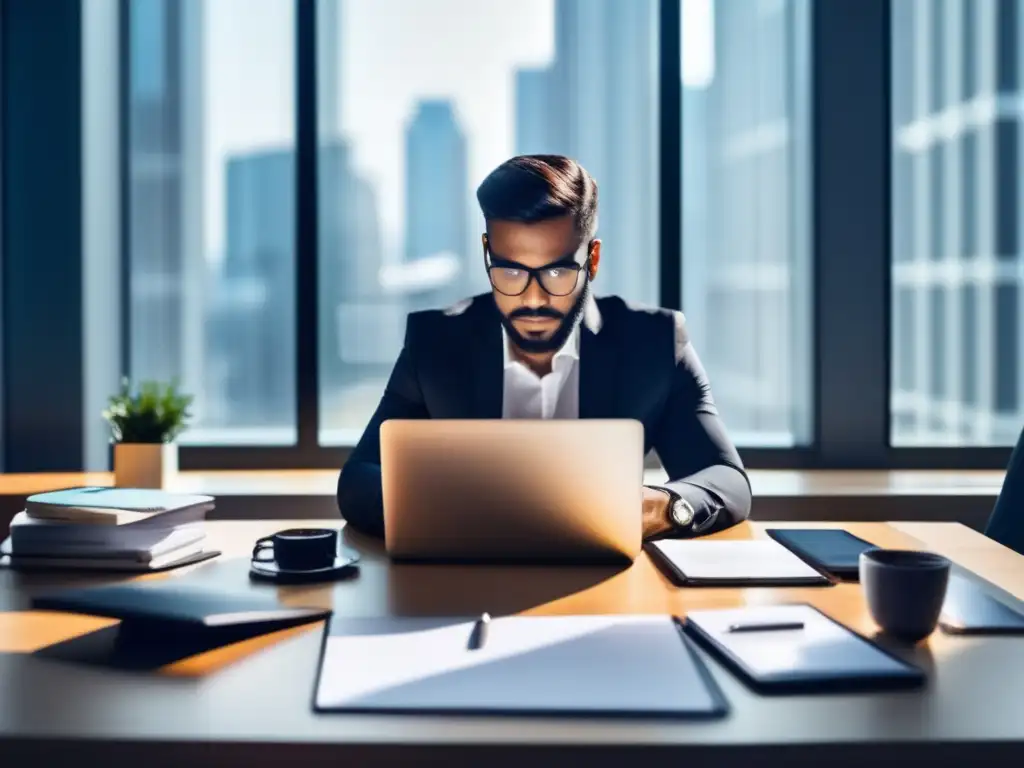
(904, 590)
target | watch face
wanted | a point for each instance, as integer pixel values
(682, 513)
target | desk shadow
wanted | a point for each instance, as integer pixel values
(461, 590)
(189, 652)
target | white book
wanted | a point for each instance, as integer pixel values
(103, 505)
(30, 536)
(118, 562)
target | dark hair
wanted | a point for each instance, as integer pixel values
(534, 188)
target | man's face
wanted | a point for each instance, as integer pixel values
(536, 320)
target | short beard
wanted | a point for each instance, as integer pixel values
(557, 340)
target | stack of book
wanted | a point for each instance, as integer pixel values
(102, 528)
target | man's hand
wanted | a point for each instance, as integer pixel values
(656, 520)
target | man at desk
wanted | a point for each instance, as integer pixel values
(541, 346)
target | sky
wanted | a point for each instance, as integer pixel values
(392, 53)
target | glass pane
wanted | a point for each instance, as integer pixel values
(956, 221)
(211, 211)
(747, 271)
(406, 138)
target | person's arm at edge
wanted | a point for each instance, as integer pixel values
(360, 498)
(702, 463)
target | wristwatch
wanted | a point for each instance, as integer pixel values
(682, 514)
(680, 511)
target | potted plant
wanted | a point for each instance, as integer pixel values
(144, 425)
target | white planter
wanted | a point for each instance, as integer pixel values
(145, 465)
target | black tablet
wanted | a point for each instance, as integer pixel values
(971, 609)
(832, 550)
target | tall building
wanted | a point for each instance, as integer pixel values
(166, 193)
(360, 327)
(533, 111)
(252, 329)
(957, 210)
(596, 103)
(329, 72)
(746, 269)
(436, 209)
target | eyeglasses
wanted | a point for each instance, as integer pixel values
(511, 279)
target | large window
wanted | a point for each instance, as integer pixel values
(829, 190)
(418, 101)
(956, 272)
(747, 270)
(210, 208)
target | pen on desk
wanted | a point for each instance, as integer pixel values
(766, 626)
(479, 634)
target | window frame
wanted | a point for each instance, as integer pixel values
(848, 66)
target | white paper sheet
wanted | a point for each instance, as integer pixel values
(585, 664)
(734, 560)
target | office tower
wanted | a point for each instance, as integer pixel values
(956, 223)
(437, 191)
(360, 326)
(252, 329)
(329, 53)
(601, 109)
(746, 266)
(166, 193)
(533, 111)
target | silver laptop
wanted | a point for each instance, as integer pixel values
(485, 490)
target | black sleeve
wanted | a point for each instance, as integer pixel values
(702, 463)
(1004, 524)
(359, 485)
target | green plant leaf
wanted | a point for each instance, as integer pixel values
(156, 413)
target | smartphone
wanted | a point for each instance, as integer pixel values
(832, 550)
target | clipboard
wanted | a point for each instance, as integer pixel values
(594, 666)
(754, 563)
(821, 655)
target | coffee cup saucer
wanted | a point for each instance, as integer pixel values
(344, 565)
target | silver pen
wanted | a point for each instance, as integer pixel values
(766, 626)
(479, 634)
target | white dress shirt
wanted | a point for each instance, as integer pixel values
(554, 396)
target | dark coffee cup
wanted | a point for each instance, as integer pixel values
(298, 549)
(904, 590)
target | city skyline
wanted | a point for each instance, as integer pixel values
(395, 238)
(577, 101)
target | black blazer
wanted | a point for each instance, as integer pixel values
(634, 363)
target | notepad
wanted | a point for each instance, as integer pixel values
(734, 563)
(821, 654)
(593, 665)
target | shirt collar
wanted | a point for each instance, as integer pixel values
(571, 348)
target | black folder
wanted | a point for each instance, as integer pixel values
(183, 605)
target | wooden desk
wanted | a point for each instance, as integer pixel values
(249, 704)
(779, 494)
